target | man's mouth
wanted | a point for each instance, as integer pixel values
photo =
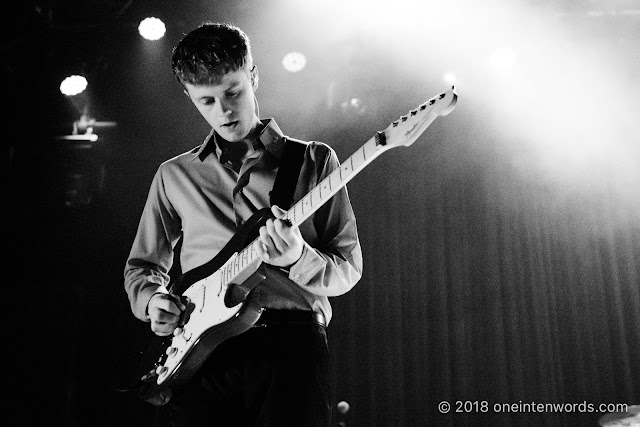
(230, 125)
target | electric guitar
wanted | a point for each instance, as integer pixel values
(219, 304)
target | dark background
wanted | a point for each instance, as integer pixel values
(497, 268)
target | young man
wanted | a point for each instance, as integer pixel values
(278, 372)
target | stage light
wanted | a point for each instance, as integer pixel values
(294, 62)
(354, 106)
(449, 78)
(503, 59)
(73, 85)
(152, 28)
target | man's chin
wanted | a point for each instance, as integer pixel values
(232, 135)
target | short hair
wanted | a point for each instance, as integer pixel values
(209, 52)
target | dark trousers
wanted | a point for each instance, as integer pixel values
(274, 375)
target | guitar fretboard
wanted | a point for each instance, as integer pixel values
(337, 179)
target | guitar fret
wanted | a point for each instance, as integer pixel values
(318, 194)
(252, 251)
(371, 146)
(298, 210)
(362, 158)
(335, 175)
(326, 184)
(344, 167)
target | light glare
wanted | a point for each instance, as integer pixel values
(294, 62)
(503, 59)
(152, 28)
(449, 78)
(73, 85)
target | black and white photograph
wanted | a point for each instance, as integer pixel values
(337, 213)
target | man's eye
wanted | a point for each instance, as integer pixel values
(208, 101)
(232, 94)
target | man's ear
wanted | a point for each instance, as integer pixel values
(254, 77)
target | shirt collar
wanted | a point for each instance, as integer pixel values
(271, 138)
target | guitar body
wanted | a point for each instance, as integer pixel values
(234, 314)
(203, 346)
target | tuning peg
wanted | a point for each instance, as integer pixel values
(442, 95)
(423, 106)
(432, 101)
(404, 118)
(395, 123)
(414, 112)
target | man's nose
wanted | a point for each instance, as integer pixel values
(223, 109)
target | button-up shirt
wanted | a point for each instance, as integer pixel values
(205, 199)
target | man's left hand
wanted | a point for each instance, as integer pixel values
(282, 244)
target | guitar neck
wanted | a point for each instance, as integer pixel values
(337, 179)
(401, 132)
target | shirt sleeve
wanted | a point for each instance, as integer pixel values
(151, 256)
(331, 264)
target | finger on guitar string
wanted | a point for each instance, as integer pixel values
(267, 247)
(286, 232)
(162, 316)
(263, 251)
(163, 328)
(274, 233)
(281, 216)
(162, 332)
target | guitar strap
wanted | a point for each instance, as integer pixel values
(283, 189)
(286, 180)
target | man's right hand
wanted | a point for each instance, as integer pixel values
(164, 311)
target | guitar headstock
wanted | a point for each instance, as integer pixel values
(409, 127)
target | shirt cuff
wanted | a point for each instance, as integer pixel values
(148, 293)
(309, 264)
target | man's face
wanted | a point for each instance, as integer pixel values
(228, 106)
